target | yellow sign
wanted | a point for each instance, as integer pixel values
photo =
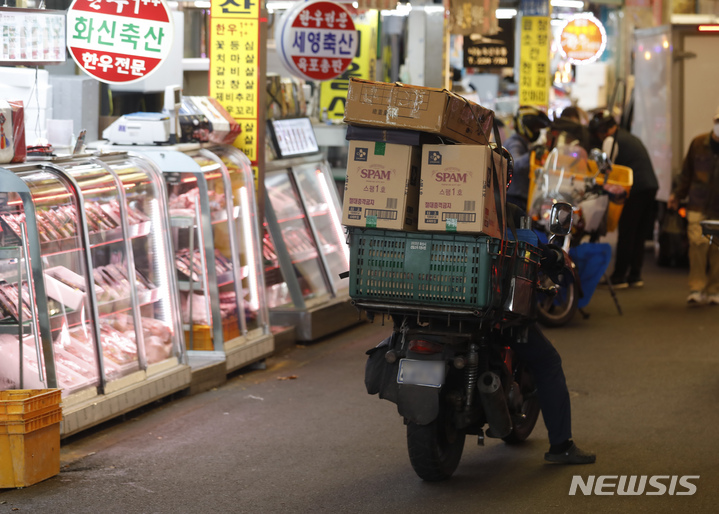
(534, 76)
(234, 67)
(333, 93)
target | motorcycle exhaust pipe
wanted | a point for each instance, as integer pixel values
(494, 403)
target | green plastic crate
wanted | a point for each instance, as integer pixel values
(421, 268)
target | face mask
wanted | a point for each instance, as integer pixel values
(716, 130)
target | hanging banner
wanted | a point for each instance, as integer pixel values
(489, 52)
(534, 79)
(582, 39)
(473, 17)
(119, 41)
(316, 40)
(234, 67)
(333, 93)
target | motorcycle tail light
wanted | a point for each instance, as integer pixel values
(424, 347)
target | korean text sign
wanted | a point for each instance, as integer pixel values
(317, 40)
(534, 61)
(119, 41)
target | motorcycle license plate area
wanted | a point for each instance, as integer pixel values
(421, 373)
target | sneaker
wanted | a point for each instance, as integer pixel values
(636, 283)
(713, 299)
(620, 285)
(695, 298)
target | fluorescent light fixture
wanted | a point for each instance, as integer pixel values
(202, 4)
(400, 10)
(572, 4)
(434, 9)
(249, 250)
(708, 28)
(279, 5)
(505, 14)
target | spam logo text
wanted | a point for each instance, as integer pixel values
(373, 174)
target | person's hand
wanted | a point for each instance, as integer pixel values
(672, 203)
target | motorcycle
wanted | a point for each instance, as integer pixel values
(571, 176)
(449, 366)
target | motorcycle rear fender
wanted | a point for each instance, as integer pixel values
(418, 404)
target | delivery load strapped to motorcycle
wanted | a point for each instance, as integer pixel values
(426, 221)
(430, 250)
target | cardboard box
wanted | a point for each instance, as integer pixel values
(459, 191)
(382, 186)
(399, 106)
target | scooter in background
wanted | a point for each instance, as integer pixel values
(570, 175)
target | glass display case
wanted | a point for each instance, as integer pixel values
(216, 255)
(24, 331)
(304, 248)
(104, 255)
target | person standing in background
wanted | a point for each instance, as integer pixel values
(639, 212)
(528, 123)
(699, 180)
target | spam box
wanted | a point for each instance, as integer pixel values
(459, 190)
(399, 106)
(382, 186)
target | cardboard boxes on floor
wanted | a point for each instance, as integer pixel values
(415, 185)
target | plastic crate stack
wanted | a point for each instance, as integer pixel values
(29, 436)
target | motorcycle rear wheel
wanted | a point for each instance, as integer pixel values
(435, 449)
(558, 310)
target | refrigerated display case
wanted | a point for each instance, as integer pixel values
(304, 248)
(212, 212)
(24, 331)
(104, 246)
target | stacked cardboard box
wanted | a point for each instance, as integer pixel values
(419, 160)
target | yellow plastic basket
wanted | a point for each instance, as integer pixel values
(620, 176)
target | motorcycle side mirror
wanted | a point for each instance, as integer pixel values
(560, 219)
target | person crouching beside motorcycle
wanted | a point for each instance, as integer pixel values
(546, 366)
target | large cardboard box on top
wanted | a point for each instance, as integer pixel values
(382, 186)
(460, 191)
(399, 106)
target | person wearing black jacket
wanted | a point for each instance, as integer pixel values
(639, 212)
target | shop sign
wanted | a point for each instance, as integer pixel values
(489, 52)
(582, 39)
(534, 61)
(235, 69)
(316, 40)
(119, 41)
(333, 93)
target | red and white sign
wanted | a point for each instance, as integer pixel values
(119, 41)
(317, 40)
(582, 39)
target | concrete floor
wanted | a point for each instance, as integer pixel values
(303, 435)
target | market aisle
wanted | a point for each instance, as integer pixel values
(644, 389)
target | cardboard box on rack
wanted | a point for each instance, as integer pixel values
(399, 106)
(382, 186)
(460, 191)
